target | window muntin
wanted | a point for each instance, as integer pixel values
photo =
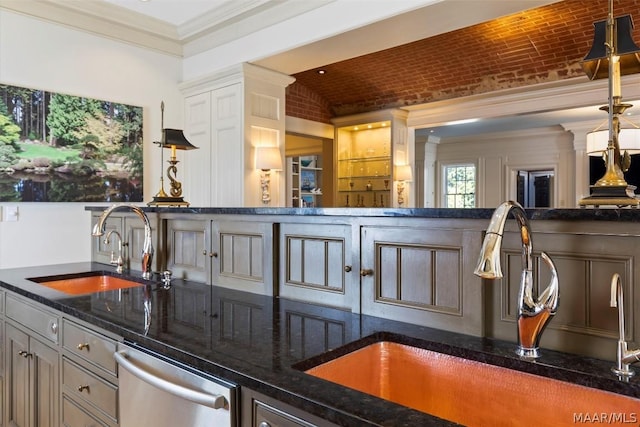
(460, 186)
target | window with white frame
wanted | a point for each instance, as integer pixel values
(459, 186)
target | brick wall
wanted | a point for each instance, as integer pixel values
(540, 45)
(304, 103)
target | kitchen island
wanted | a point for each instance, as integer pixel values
(256, 342)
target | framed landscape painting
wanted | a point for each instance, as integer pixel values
(63, 148)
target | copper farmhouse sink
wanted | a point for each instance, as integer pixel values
(469, 392)
(86, 284)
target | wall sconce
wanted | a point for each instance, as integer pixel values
(174, 139)
(267, 159)
(402, 174)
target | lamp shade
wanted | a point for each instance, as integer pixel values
(596, 63)
(403, 173)
(175, 138)
(628, 139)
(268, 158)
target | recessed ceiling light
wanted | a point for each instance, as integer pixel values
(322, 71)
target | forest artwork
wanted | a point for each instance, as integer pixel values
(63, 148)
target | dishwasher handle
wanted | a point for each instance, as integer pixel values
(211, 400)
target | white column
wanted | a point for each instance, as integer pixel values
(430, 172)
(579, 131)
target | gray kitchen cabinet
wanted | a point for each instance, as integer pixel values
(234, 254)
(32, 380)
(422, 276)
(89, 376)
(73, 415)
(316, 264)
(31, 364)
(259, 410)
(187, 249)
(243, 255)
(58, 371)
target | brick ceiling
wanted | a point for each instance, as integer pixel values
(534, 46)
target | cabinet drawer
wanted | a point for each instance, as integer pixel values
(38, 320)
(85, 386)
(89, 345)
(74, 416)
(268, 416)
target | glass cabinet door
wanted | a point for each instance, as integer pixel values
(364, 166)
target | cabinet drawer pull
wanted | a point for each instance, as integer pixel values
(83, 346)
(347, 268)
(82, 388)
(366, 272)
(214, 254)
(24, 354)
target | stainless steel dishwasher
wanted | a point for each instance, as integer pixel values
(156, 393)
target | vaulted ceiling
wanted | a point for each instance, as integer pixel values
(436, 50)
(539, 45)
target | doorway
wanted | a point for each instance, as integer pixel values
(535, 188)
(310, 157)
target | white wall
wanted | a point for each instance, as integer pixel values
(41, 55)
(498, 155)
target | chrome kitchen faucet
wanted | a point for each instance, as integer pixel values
(533, 315)
(147, 247)
(625, 357)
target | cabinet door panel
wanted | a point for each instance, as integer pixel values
(18, 399)
(423, 276)
(244, 256)
(197, 175)
(186, 246)
(316, 264)
(46, 384)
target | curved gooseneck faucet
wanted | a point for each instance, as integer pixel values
(625, 357)
(147, 249)
(118, 262)
(533, 315)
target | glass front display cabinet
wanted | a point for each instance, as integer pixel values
(364, 171)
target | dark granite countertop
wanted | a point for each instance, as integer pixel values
(255, 341)
(577, 214)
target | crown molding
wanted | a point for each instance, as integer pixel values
(103, 19)
(220, 28)
(225, 14)
(558, 95)
(204, 32)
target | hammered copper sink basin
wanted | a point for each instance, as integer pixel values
(85, 284)
(465, 391)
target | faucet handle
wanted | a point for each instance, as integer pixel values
(550, 297)
(166, 279)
